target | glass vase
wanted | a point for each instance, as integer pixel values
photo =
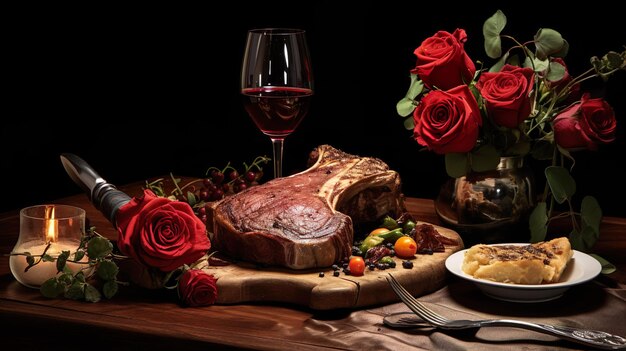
(491, 206)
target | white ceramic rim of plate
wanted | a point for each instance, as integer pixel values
(581, 269)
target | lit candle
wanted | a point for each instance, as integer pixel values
(59, 226)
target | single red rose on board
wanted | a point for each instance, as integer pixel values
(447, 121)
(197, 288)
(585, 124)
(507, 94)
(442, 62)
(161, 233)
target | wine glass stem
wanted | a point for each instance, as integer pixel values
(277, 144)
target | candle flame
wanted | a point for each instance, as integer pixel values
(51, 225)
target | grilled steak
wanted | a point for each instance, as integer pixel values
(307, 220)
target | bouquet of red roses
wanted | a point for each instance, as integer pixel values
(527, 103)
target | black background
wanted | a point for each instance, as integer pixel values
(141, 92)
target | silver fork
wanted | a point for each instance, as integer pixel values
(595, 338)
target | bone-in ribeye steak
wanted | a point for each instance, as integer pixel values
(306, 220)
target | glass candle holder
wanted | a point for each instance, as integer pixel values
(57, 227)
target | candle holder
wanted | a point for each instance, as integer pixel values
(57, 227)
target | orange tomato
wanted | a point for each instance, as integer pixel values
(379, 231)
(356, 265)
(405, 247)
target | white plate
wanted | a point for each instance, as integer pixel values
(580, 269)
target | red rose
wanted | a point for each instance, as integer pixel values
(442, 61)
(507, 94)
(585, 124)
(447, 121)
(160, 232)
(197, 288)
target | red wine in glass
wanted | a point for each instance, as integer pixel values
(276, 83)
(277, 111)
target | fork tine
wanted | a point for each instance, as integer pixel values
(414, 304)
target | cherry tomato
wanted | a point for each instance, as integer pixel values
(405, 247)
(356, 265)
(379, 231)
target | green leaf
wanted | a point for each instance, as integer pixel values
(607, 267)
(612, 60)
(548, 42)
(500, 63)
(47, 258)
(78, 255)
(576, 240)
(80, 276)
(30, 260)
(76, 291)
(92, 294)
(405, 107)
(536, 64)
(107, 270)
(66, 279)
(564, 50)
(486, 158)
(456, 164)
(591, 213)
(561, 183)
(543, 150)
(416, 87)
(491, 31)
(191, 198)
(556, 72)
(110, 288)
(61, 260)
(51, 288)
(99, 247)
(538, 223)
(409, 123)
(588, 238)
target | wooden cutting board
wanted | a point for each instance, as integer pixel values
(245, 282)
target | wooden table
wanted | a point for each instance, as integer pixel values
(156, 321)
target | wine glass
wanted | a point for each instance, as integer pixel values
(276, 83)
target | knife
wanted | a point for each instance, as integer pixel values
(105, 196)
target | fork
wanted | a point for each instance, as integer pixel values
(595, 338)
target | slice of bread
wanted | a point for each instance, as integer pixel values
(538, 263)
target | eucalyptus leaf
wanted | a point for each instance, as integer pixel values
(491, 31)
(456, 164)
(536, 64)
(564, 50)
(110, 288)
(588, 238)
(66, 278)
(47, 258)
(92, 294)
(556, 72)
(538, 223)
(405, 107)
(409, 123)
(576, 240)
(500, 63)
(107, 270)
(548, 42)
(562, 185)
(416, 87)
(591, 213)
(486, 158)
(607, 267)
(99, 247)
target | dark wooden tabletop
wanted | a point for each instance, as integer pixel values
(155, 320)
